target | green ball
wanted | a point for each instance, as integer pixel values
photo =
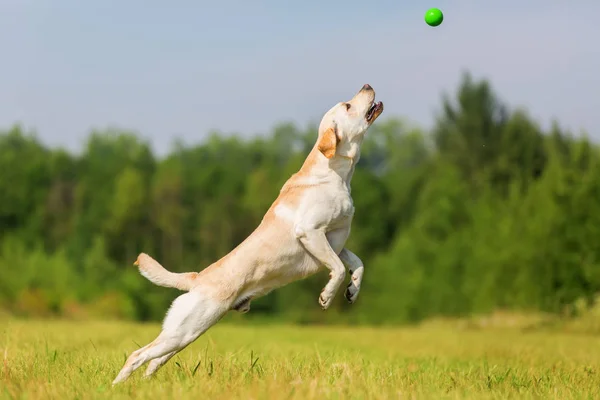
(434, 17)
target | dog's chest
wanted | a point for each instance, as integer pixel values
(341, 210)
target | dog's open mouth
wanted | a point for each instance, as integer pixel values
(374, 111)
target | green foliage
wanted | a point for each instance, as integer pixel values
(486, 211)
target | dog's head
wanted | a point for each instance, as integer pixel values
(345, 124)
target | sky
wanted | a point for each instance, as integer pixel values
(242, 66)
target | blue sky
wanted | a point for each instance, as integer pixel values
(240, 66)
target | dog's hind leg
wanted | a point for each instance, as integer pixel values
(242, 306)
(190, 315)
(155, 364)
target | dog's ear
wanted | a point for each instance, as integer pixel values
(328, 142)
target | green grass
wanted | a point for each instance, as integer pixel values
(67, 360)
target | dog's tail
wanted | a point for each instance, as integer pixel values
(157, 274)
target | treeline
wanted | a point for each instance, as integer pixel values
(485, 211)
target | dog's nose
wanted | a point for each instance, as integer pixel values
(367, 87)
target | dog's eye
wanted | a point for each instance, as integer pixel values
(348, 106)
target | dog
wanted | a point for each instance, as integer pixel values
(304, 231)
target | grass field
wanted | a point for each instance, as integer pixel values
(78, 360)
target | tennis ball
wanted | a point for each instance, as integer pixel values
(434, 17)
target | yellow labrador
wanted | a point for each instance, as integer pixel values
(304, 230)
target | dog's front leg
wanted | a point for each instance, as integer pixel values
(315, 242)
(356, 268)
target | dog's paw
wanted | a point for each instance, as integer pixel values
(242, 307)
(325, 301)
(351, 293)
